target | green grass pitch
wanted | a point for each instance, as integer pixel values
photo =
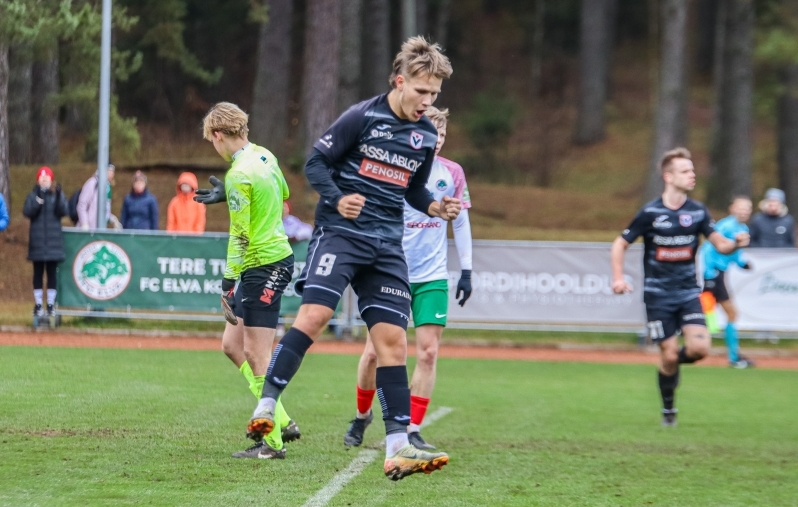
(85, 427)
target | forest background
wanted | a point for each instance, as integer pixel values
(560, 108)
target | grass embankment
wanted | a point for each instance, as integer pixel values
(124, 427)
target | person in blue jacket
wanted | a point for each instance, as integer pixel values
(715, 266)
(140, 208)
(3, 214)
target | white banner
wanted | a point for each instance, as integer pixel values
(554, 283)
(766, 296)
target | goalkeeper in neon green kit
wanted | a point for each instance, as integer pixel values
(258, 253)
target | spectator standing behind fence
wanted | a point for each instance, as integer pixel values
(3, 214)
(184, 214)
(772, 227)
(295, 229)
(140, 208)
(87, 203)
(45, 206)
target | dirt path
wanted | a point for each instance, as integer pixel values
(52, 339)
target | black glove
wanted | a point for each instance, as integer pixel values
(229, 300)
(464, 285)
(211, 195)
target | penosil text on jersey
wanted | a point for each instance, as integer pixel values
(385, 172)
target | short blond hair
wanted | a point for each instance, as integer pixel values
(669, 156)
(226, 118)
(438, 117)
(418, 56)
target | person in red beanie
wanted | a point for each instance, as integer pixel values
(45, 206)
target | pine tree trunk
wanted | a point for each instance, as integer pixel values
(705, 43)
(377, 46)
(594, 64)
(44, 111)
(5, 179)
(351, 20)
(670, 129)
(422, 18)
(731, 154)
(20, 63)
(788, 135)
(442, 22)
(536, 59)
(320, 86)
(269, 115)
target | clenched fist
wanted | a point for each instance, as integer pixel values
(449, 208)
(349, 206)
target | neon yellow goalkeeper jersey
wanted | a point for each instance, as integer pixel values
(256, 189)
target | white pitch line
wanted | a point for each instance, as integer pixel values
(361, 461)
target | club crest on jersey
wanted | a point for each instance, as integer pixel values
(685, 220)
(441, 185)
(416, 140)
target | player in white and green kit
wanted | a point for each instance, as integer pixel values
(258, 254)
(425, 245)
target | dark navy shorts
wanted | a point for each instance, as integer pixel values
(259, 293)
(376, 269)
(717, 286)
(664, 320)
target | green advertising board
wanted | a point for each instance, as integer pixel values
(151, 270)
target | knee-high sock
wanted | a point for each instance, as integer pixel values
(365, 397)
(667, 388)
(281, 417)
(732, 342)
(287, 358)
(418, 408)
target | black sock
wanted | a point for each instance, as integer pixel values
(285, 362)
(394, 395)
(683, 358)
(667, 388)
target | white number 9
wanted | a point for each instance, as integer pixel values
(325, 264)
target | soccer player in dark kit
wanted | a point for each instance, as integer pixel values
(670, 226)
(378, 154)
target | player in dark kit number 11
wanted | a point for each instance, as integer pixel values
(378, 154)
(670, 226)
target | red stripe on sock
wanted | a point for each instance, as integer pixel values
(364, 399)
(418, 409)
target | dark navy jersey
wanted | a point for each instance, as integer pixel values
(371, 152)
(671, 241)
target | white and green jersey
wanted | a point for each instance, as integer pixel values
(424, 239)
(255, 188)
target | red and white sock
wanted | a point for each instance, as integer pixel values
(364, 399)
(418, 409)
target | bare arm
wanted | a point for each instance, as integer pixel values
(617, 254)
(727, 246)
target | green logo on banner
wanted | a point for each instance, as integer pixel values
(102, 270)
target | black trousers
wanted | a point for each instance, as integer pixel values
(39, 267)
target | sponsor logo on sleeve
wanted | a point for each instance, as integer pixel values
(327, 141)
(416, 140)
(423, 225)
(685, 220)
(384, 172)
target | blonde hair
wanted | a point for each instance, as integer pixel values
(668, 156)
(226, 118)
(418, 56)
(438, 117)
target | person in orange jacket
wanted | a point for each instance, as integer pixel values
(184, 214)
